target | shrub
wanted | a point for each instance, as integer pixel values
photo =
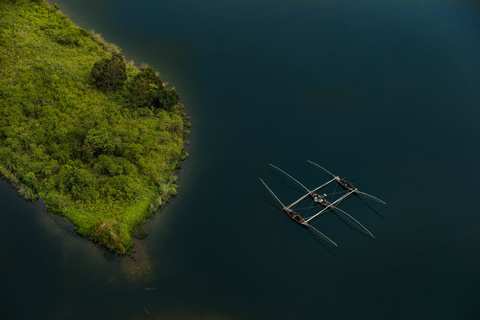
(108, 166)
(83, 185)
(99, 141)
(133, 151)
(122, 187)
(166, 99)
(29, 177)
(110, 74)
(167, 190)
(147, 90)
(144, 87)
(108, 233)
(114, 166)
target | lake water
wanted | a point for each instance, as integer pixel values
(386, 93)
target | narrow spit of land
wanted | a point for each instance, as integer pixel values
(98, 138)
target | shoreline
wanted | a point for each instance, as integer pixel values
(148, 203)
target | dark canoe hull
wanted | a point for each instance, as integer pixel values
(320, 199)
(296, 217)
(345, 184)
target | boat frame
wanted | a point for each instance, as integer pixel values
(321, 200)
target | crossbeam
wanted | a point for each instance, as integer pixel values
(323, 185)
(306, 195)
(330, 206)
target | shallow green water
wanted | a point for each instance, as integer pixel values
(385, 93)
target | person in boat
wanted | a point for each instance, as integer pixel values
(346, 184)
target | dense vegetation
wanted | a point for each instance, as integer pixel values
(97, 138)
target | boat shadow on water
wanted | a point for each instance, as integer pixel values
(351, 225)
(271, 203)
(315, 236)
(339, 216)
(321, 242)
(289, 182)
(371, 208)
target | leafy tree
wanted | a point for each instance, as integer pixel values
(99, 141)
(110, 74)
(144, 88)
(112, 166)
(122, 187)
(133, 151)
(166, 99)
(29, 177)
(83, 185)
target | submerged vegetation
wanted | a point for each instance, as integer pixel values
(97, 138)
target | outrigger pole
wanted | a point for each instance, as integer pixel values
(326, 204)
(306, 189)
(332, 205)
(345, 184)
(306, 195)
(296, 217)
(273, 194)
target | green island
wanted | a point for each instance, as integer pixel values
(97, 138)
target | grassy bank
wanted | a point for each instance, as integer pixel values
(99, 146)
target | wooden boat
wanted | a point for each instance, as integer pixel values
(296, 217)
(346, 184)
(321, 200)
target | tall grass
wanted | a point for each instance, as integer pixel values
(95, 159)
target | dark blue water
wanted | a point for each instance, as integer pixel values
(386, 93)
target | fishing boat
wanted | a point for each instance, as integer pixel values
(346, 184)
(292, 214)
(323, 201)
(296, 217)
